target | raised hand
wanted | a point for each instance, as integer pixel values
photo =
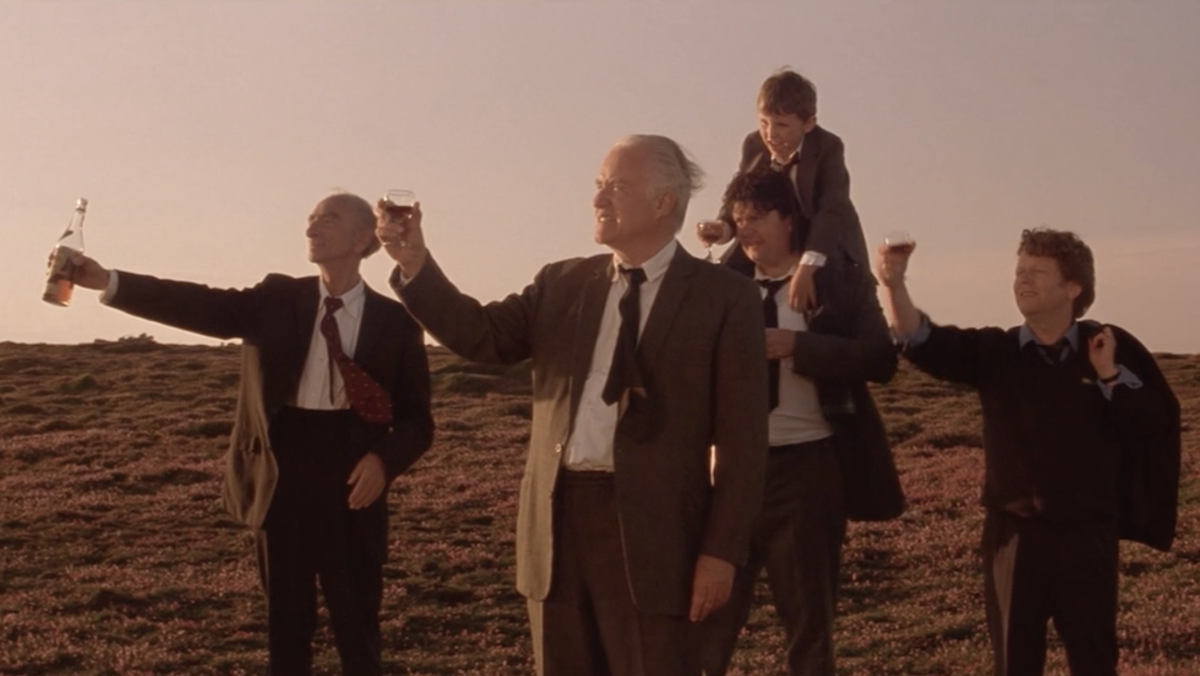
(88, 273)
(402, 238)
(893, 264)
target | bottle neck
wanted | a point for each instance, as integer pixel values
(73, 237)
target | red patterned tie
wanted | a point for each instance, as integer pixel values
(366, 397)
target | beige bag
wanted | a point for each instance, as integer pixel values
(250, 469)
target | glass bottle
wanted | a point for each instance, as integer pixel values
(61, 271)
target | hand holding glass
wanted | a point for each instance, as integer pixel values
(398, 203)
(892, 271)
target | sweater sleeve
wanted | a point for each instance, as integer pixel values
(952, 353)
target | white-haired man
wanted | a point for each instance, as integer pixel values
(622, 536)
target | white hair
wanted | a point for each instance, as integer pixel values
(671, 170)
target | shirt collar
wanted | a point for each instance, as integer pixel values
(655, 267)
(352, 300)
(784, 161)
(1025, 336)
(760, 277)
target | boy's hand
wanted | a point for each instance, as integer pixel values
(802, 292)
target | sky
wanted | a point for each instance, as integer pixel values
(203, 133)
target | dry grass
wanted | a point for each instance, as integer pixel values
(116, 558)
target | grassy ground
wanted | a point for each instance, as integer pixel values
(116, 557)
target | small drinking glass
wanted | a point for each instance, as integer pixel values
(899, 241)
(713, 232)
(399, 203)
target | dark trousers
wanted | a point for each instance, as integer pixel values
(588, 625)
(311, 535)
(798, 540)
(1034, 572)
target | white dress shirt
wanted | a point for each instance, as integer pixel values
(591, 444)
(321, 386)
(798, 418)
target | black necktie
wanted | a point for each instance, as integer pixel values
(365, 395)
(771, 318)
(624, 373)
(1056, 353)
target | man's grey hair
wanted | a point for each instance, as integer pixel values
(671, 170)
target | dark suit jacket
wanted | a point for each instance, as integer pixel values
(1151, 432)
(829, 223)
(275, 319)
(845, 346)
(704, 353)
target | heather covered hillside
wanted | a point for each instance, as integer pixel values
(116, 556)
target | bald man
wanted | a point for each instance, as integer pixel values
(334, 405)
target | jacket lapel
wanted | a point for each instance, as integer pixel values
(304, 312)
(754, 162)
(589, 310)
(370, 329)
(805, 171)
(666, 305)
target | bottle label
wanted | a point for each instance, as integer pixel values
(60, 275)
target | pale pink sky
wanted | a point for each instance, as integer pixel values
(203, 132)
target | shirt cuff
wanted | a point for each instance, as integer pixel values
(917, 337)
(110, 291)
(813, 258)
(1124, 377)
(398, 280)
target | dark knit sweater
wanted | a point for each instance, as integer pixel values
(1054, 445)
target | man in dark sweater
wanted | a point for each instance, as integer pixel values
(1081, 437)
